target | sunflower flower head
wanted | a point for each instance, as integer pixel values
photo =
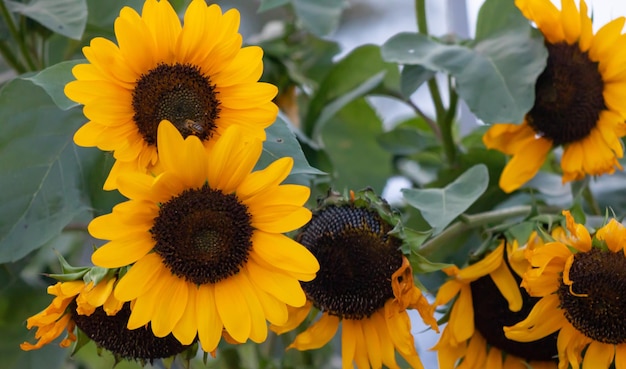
(196, 75)
(581, 284)
(365, 283)
(580, 99)
(486, 297)
(205, 240)
(80, 292)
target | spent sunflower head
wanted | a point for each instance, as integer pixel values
(205, 240)
(196, 75)
(487, 297)
(581, 282)
(365, 284)
(580, 98)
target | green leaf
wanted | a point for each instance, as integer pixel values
(282, 142)
(320, 17)
(67, 17)
(412, 77)
(102, 14)
(497, 16)
(441, 206)
(350, 142)
(53, 80)
(358, 73)
(271, 4)
(496, 77)
(40, 170)
(404, 141)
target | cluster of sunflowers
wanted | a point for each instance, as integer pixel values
(210, 247)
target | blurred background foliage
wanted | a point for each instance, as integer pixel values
(334, 107)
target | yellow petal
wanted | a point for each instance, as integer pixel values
(247, 95)
(139, 278)
(372, 341)
(620, 356)
(348, 343)
(586, 29)
(360, 349)
(162, 21)
(536, 326)
(258, 328)
(480, 269)
(605, 38)
(598, 356)
(233, 309)
(296, 316)
(209, 323)
(280, 218)
(570, 20)
(525, 164)
(186, 329)
(136, 44)
(283, 253)
(121, 252)
(318, 334)
(461, 323)
(262, 180)
(171, 308)
(507, 286)
(284, 288)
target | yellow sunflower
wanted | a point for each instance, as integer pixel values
(72, 298)
(580, 98)
(365, 285)
(581, 283)
(205, 237)
(195, 75)
(488, 298)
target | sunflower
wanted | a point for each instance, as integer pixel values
(365, 284)
(205, 240)
(196, 75)
(580, 99)
(581, 283)
(74, 297)
(488, 298)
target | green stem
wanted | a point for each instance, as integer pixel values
(15, 34)
(448, 122)
(11, 60)
(591, 201)
(468, 222)
(442, 120)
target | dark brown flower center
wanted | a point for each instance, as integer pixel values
(568, 95)
(203, 235)
(595, 303)
(179, 93)
(491, 314)
(110, 332)
(357, 258)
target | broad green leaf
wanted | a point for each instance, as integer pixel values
(53, 80)
(404, 141)
(412, 77)
(349, 79)
(350, 142)
(102, 14)
(281, 142)
(67, 17)
(320, 17)
(440, 206)
(40, 169)
(271, 4)
(496, 77)
(496, 16)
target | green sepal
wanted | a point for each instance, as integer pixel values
(68, 277)
(97, 274)
(81, 340)
(66, 268)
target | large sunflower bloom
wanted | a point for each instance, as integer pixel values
(488, 297)
(365, 285)
(580, 99)
(205, 237)
(581, 282)
(196, 75)
(58, 316)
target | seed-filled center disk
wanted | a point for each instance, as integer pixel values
(179, 93)
(357, 258)
(596, 301)
(568, 95)
(111, 333)
(203, 235)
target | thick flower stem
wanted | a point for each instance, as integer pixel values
(15, 34)
(591, 201)
(443, 120)
(469, 222)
